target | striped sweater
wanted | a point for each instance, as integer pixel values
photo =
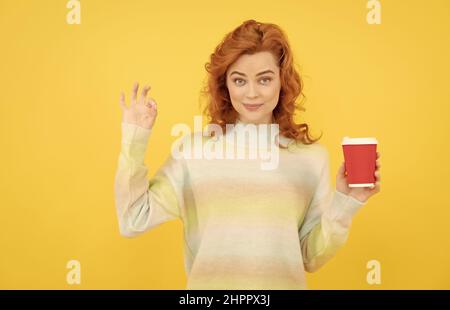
(244, 227)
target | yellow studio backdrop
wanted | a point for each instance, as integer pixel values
(60, 130)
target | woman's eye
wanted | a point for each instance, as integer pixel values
(235, 80)
(266, 79)
(240, 81)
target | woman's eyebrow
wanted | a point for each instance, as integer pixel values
(263, 72)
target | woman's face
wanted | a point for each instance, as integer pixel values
(253, 82)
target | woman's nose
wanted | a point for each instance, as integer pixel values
(252, 91)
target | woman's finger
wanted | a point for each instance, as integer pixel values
(152, 102)
(122, 101)
(144, 93)
(378, 175)
(134, 92)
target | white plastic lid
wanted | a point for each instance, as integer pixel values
(348, 140)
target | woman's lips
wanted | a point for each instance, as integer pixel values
(252, 107)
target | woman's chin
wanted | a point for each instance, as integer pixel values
(255, 118)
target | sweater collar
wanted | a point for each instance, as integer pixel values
(255, 135)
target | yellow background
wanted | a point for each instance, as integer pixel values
(60, 130)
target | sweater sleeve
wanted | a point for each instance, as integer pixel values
(327, 222)
(143, 203)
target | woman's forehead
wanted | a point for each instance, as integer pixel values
(254, 63)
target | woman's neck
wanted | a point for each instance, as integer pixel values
(270, 120)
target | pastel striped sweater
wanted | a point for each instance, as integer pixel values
(244, 227)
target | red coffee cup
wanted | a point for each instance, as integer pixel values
(360, 156)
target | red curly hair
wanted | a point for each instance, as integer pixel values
(249, 38)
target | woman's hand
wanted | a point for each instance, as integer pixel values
(360, 193)
(142, 111)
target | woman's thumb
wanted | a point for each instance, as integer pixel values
(342, 169)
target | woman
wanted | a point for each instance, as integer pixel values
(244, 227)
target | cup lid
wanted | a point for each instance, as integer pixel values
(369, 140)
